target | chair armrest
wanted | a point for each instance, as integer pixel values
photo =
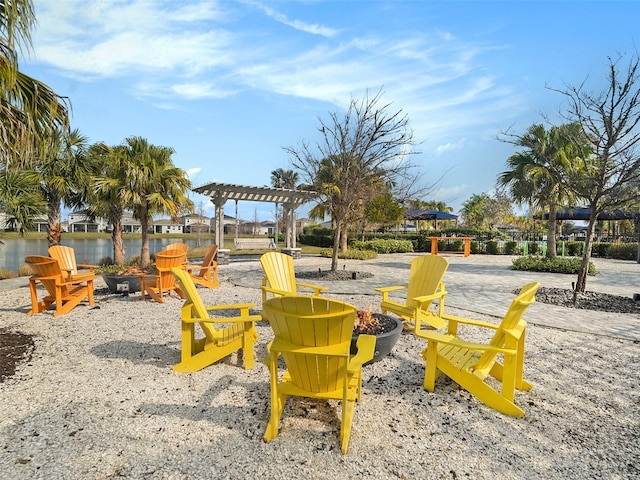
(390, 289)
(366, 350)
(87, 266)
(274, 290)
(469, 321)
(231, 306)
(222, 320)
(457, 342)
(337, 350)
(316, 288)
(429, 298)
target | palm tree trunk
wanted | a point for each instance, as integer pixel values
(116, 239)
(145, 255)
(54, 215)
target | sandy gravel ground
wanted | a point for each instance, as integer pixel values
(98, 400)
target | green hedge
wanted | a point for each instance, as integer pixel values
(384, 246)
(557, 265)
(351, 254)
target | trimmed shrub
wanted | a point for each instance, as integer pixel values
(384, 246)
(574, 249)
(623, 251)
(600, 249)
(492, 247)
(557, 265)
(475, 246)
(511, 248)
(533, 248)
(351, 254)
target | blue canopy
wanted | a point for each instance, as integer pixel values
(428, 215)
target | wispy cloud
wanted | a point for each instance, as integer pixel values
(204, 50)
(312, 28)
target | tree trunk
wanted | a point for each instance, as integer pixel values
(336, 246)
(581, 283)
(343, 239)
(145, 256)
(551, 232)
(116, 239)
(54, 235)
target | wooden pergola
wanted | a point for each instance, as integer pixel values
(220, 193)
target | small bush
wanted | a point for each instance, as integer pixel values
(557, 265)
(511, 248)
(24, 271)
(475, 246)
(574, 249)
(492, 247)
(533, 248)
(600, 249)
(623, 251)
(5, 274)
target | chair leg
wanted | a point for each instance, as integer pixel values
(431, 373)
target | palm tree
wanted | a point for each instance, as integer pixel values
(64, 175)
(535, 175)
(29, 109)
(108, 197)
(281, 178)
(155, 185)
(20, 198)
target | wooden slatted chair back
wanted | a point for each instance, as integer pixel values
(183, 247)
(319, 331)
(279, 271)
(425, 276)
(48, 272)
(512, 322)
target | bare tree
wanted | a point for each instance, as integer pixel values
(610, 119)
(362, 152)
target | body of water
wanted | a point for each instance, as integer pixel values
(13, 251)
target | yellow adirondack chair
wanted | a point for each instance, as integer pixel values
(163, 281)
(207, 273)
(469, 364)
(66, 258)
(66, 294)
(222, 336)
(313, 334)
(425, 285)
(280, 276)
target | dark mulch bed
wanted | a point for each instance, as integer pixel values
(602, 302)
(15, 347)
(329, 276)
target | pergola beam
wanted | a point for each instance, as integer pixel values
(220, 193)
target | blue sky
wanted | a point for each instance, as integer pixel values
(227, 84)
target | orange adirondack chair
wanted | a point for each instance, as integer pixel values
(280, 277)
(222, 335)
(470, 363)
(163, 280)
(66, 258)
(66, 294)
(313, 335)
(206, 274)
(183, 247)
